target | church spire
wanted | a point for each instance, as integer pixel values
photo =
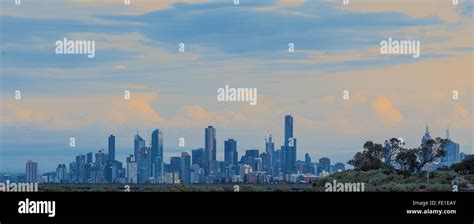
(447, 133)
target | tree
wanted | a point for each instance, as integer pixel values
(466, 166)
(429, 152)
(391, 148)
(407, 160)
(370, 158)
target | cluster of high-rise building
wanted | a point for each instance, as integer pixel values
(451, 148)
(147, 164)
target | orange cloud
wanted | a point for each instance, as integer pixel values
(386, 111)
(417, 9)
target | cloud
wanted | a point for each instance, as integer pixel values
(120, 67)
(76, 112)
(386, 112)
(416, 9)
(137, 6)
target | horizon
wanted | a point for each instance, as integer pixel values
(164, 65)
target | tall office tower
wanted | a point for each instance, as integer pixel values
(289, 150)
(89, 157)
(185, 173)
(144, 164)
(209, 147)
(427, 135)
(61, 173)
(175, 164)
(111, 148)
(132, 170)
(81, 168)
(230, 152)
(31, 172)
(156, 144)
(307, 164)
(249, 157)
(198, 157)
(138, 144)
(159, 172)
(270, 150)
(452, 151)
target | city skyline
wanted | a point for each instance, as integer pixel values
(320, 61)
(231, 144)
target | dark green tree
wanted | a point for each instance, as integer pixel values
(370, 158)
(407, 160)
(429, 152)
(466, 166)
(391, 148)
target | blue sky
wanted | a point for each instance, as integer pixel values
(337, 48)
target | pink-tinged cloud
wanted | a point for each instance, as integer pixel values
(386, 111)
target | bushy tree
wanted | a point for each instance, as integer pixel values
(429, 152)
(407, 160)
(391, 148)
(370, 158)
(466, 166)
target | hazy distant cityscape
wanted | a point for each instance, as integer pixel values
(147, 166)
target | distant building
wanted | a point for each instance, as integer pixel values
(111, 152)
(89, 157)
(175, 164)
(185, 168)
(31, 172)
(288, 151)
(308, 168)
(132, 170)
(209, 147)
(324, 164)
(230, 152)
(61, 173)
(144, 165)
(197, 157)
(156, 144)
(138, 144)
(271, 158)
(427, 136)
(452, 152)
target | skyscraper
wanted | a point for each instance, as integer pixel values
(144, 164)
(230, 152)
(111, 148)
(185, 168)
(31, 171)
(289, 149)
(270, 150)
(89, 157)
(175, 164)
(452, 151)
(198, 157)
(156, 144)
(307, 164)
(159, 171)
(132, 170)
(138, 144)
(209, 147)
(427, 135)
